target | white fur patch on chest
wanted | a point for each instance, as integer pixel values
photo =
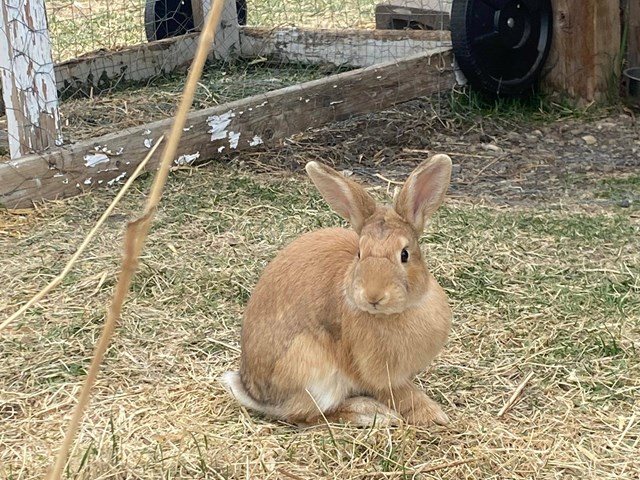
(330, 389)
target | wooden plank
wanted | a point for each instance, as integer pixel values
(102, 70)
(356, 48)
(585, 53)
(239, 125)
(28, 82)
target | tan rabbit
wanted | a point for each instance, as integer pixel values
(342, 320)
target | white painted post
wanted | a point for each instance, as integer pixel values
(226, 44)
(28, 79)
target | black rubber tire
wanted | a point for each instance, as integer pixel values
(241, 8)
(172, 18)
(501, 45)
(167, 19)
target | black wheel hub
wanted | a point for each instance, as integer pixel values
(501, 45)
(513, 25)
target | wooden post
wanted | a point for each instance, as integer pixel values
(227, 40)
(28, 79)
(585, 54)
(633, 45)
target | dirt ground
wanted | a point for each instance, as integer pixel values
(585, 160)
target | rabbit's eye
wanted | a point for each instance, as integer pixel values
(404, 256)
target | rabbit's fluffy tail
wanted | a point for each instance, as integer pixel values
(233, 384)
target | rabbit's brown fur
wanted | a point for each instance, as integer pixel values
(339, 324)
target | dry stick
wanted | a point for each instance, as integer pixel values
(515, 395)
(67, 268)
(137, 232)
(392, 182)
(482, 170)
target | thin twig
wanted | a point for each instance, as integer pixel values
(67, 268)
(451, 154)
(137, 232)
(483, 169)
(392, 182)
(286, 473)
(625, 431)
(129, 265)
(507, 406)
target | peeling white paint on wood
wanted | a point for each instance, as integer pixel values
(95, 159)
(120, 177)
(218, 125)
(234, 138)
(355, 48)
(187, 159)
(28, 79)
(256, 140)
(138, 62)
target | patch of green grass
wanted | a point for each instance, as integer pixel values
(620, 188)
(535, 108)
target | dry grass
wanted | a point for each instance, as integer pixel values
(548, 291)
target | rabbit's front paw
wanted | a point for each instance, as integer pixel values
(426, 412)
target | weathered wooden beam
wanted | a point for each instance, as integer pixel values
(239, 125)
(101, 70)
(355, 48)
(585, 53)
(28, 84)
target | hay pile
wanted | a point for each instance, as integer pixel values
(546, 295)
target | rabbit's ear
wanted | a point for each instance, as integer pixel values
(345, 196)
(424, 191)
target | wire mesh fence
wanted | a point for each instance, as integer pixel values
(78, 28)
(293, 42)
(81, 27)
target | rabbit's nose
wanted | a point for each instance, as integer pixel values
(377, 298)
